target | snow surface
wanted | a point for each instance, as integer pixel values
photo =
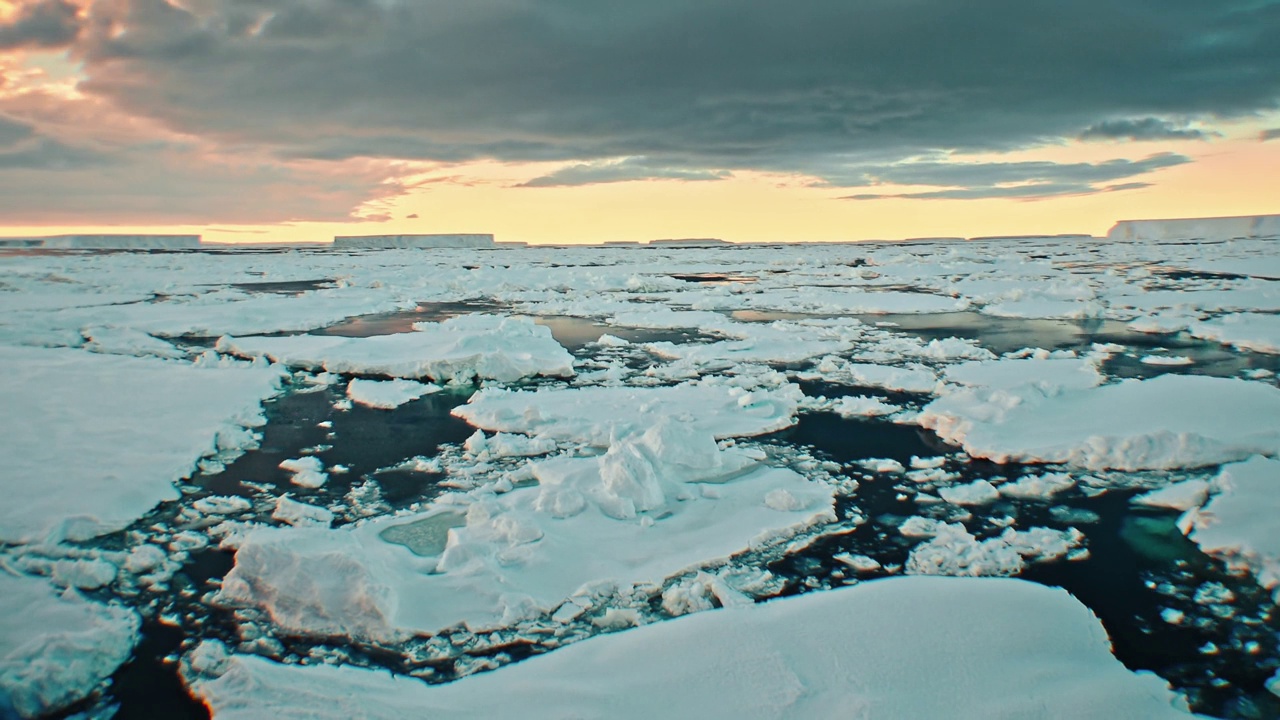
(953, 551)
(895, 648)
(1239, 521)
(594, 414)
(656, 503)
(461, 348)
(92, 442)
(1248, 331)
(1167, 422)
(56, 648)
(387, 394)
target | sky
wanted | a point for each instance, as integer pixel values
(571, 121)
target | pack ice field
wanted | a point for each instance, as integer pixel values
(965, 479)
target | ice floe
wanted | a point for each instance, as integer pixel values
(952, 550)
(56, 648)
(1249, 331)
(592, 415)
(903, 647)
(1167, 422)
(387, 394)
(92, 442)
(656, 502)
(461, 348)
(1239, 521)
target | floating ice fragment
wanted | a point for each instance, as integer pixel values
(953, 551)
(1169, 360)
(978, 492)
(58, 647)
(1039, 487)
(1184, 495)
(387, 394)
(308, 472)
(1238, 523)
(459, 349)
(300, 514)
(222, 505)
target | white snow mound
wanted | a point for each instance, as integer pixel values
(897, 648)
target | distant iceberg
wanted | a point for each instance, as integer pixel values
(105, 242)
(1219, 228)
(462, 240)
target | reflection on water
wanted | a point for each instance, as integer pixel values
(402, 321)
(575, 333)
(292, 287)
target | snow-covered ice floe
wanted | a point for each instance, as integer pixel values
(594, 414)
(387, 394)
(1167, 422)
(91, 442)
(896, 648)
(56, 648)
(1250, 331)
(655, 503)
(461, 348)
(1239, 521)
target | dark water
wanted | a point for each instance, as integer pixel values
(402, 321)
(1138, 566)
(290, 287)
(574, 333)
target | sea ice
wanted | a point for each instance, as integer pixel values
(1250, 331)
(954, 551)
(978, 492)
(56, 648)
(913, 378)
(911, 647)
(655, 503)
(1037, 487)
(92, 442)
(300, 514)
(387, 394)
(460, 349)
(593, 414)
(1184, 495)
(1239, 521)
(1167, 422)
(308, 472)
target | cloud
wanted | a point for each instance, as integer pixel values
(711, 85)
(1272, 134)
(1034, 191)
(66, 161)
(626, 170)
(42, 24)
(1148, 128)
(333, 96)
(1026, 180)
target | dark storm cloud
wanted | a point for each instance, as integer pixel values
(1142, 129)
(271, 110)
(43, 24)
(1272, 134)
(47, 154)
(957, 174)
(1027, 180)
(1036, 191)
(623, 171)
